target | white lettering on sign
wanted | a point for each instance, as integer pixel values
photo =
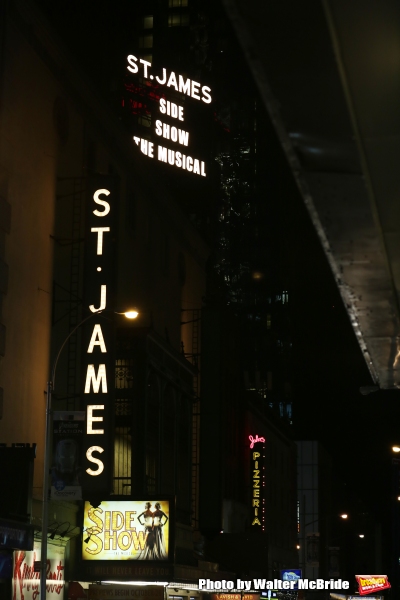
(170, 109)
(172, 133)
(97, 339)
(96, 461)
(96, 374)
(99, 231)
(179, 83)
(96, 381)
(103, 300)
(90, 419)
(103, 203)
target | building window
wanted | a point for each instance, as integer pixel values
(148, 22)
(164, 247)
(168, 442)
(122, 461)
(184, 462)
(123, 433)
(177, 3)
(149, 58)
(152, 434)
(178, 20)
(145, 121)
(123, 374)
(146, 41)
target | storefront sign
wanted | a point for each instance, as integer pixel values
(257, 466)
(15, 535)
(127, 530)
(173, 130)
(98, 333)
(26, 581)
(126, 592)
(372, 583)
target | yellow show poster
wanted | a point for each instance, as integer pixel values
(126, 530)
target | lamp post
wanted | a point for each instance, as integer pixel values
(132, 314)
(395, 497)
(321, 551)
(46, 468)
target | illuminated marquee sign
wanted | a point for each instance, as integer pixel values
(368, 584)
(127, 530)
(175, 132)
(257, 466)
(98, 334)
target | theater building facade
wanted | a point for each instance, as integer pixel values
(87, 235)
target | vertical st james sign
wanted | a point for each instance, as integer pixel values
(98, 334)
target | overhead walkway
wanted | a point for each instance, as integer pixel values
(329, 74)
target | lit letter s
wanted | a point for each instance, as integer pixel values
(132, 60)
(101, 202)
(96, 461)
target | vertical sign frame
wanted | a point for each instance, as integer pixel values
(98, 338)
(257, 483)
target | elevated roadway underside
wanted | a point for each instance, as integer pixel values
(329, 74)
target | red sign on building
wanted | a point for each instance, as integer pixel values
(372, 583)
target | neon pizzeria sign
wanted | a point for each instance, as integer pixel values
(257, 462)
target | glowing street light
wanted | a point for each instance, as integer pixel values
(395, 448)
(131, 314)
(344, 516)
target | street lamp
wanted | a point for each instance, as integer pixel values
(302, 540)
(130, 314)
(395, 499)
(46, 468)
